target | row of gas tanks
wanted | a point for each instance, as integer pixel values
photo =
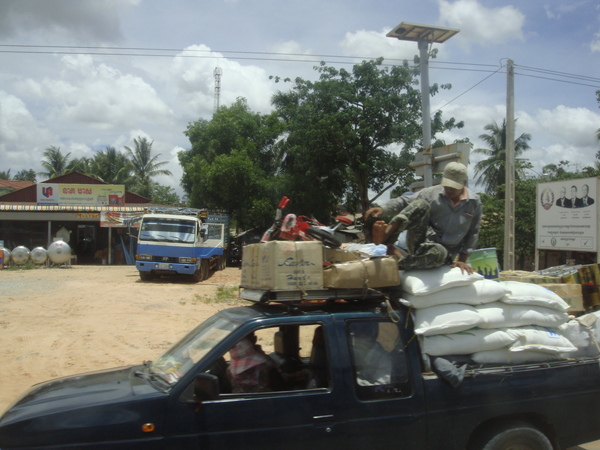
(59, 252)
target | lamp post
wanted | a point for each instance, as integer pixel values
(424, 35)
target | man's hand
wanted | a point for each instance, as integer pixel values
(464, 267)
(376, 211)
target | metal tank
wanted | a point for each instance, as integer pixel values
(7, 257)
(59, 252)
(20, 255)
(39, 255)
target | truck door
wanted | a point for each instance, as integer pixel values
(384, 397)
(259, 409)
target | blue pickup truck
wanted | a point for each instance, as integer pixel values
(347, 396)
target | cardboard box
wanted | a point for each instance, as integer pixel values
(570, 293)
(361, 274)
(290, 265)
(337, 255)
(250, 266)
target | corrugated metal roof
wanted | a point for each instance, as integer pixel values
(68, 208)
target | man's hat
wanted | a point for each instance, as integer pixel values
(455, 175)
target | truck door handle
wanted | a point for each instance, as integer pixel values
(323, 418)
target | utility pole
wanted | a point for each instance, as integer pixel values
(217, 73)
(509, 168)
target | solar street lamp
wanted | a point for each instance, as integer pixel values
(424, 35)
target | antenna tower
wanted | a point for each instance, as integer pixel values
(217, 73)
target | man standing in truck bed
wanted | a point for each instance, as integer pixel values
(442, 222)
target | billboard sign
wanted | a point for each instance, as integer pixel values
(80, 194)
(566, 215)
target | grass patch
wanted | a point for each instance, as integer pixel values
(224, 294)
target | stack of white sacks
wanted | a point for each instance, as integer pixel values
(490, 322)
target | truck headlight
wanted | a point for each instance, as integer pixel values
(143, 257)
(187, 260)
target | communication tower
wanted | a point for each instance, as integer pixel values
(217, 73)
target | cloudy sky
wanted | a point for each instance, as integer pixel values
(86, 74)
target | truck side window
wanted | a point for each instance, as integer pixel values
(286, 358)
(379, 362)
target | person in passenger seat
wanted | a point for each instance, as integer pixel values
(373, 363)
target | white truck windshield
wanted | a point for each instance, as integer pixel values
(168, 230)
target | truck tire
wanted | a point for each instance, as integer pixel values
(514, 435)
(222, 262)
(146, 276)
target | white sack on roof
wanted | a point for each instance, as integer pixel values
(476, 293)
(501, 315)
(427, 281)
(445, 319)
(466, 342)
(532, 294)
(540, 339)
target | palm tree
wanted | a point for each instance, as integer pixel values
(490, 172)
(112, 166)
(144, 166)
(5, 174)
(55, 163)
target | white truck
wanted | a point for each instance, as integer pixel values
(181, 241)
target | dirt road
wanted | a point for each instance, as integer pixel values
(62, 321)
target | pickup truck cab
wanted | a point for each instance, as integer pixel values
(358, 382)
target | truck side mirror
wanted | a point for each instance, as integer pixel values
(206, 387)
(203, 233)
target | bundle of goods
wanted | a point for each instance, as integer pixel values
(309, 265)
(485, 321)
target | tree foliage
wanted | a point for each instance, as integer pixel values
(491, 172)
(232, 164)
(54, 162)
(351, 133)
(144, 166)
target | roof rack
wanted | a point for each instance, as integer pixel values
(273, 296)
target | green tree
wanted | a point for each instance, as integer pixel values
(25, 175)
(351, 133)
(112, 166)
(5, 174)
(165, 195)
(491, 172)
(232, 164)
(144, 166)
(54, 162)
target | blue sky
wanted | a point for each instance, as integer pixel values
(83, 102)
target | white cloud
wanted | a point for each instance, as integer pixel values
(363, 43)
(482, 25)
(595, 44)
(20, 134)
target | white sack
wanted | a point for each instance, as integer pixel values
(466, 342)
(445, 319)
(581, 336)
(427, 281)
(540, 339)
(476, 293)
(532, 294)
(505, 356)
(501, 315)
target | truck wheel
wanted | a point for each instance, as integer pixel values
(197, 275)
(515, 435)
(222, 262)
(205, 264)
(146, 276)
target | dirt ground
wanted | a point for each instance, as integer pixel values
(62, 321)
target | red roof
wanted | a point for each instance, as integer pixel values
(13, 184)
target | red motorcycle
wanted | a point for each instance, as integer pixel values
(302, 228)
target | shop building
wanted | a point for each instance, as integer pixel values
(92, 216)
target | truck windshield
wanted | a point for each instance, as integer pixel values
(177, 361)
(168, 230)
